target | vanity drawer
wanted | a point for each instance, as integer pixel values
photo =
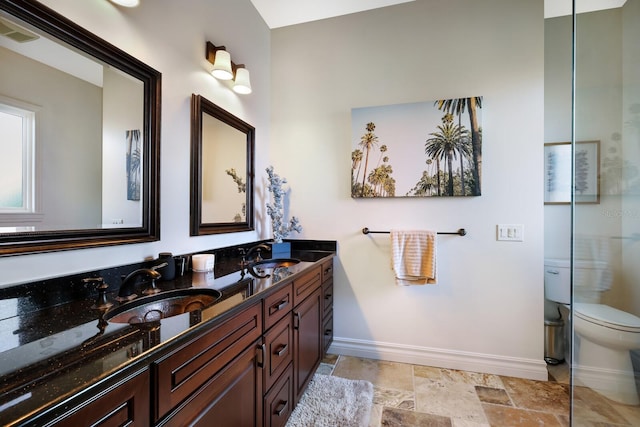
(327, 332)
(306, 284)
(327, 297)
(278, 350)
(124, 404)
(277, 305)
(278, 402)
(183, 371)
(327, 270)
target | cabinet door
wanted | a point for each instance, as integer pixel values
(307, 341)
(126, 403)
(232, 398)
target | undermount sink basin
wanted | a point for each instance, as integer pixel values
(258, 267)
(274, 263)
(152, 308)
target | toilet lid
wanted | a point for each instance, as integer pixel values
(607, 316)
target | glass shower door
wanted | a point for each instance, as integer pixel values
(606, 214)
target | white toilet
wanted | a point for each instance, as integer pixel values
(604, 335)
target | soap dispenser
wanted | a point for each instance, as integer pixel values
(168, 272)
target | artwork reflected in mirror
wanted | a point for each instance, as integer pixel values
(87, 147)
(221, 170)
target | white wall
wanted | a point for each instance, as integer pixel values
(558, 64)
(486, 313)
(170, 36)
(123, 111)
(77, 137)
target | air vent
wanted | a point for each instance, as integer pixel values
(15, 33)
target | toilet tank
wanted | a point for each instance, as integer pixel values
(591, 278)
(557, 280)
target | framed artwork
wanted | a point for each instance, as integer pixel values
(424, 149)
(558, 186)
(133, 164)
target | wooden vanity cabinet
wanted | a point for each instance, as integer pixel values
(249, 369)
(126, 403)
(307, 327)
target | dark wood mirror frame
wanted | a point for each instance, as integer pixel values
(51, 22)
(199, 107)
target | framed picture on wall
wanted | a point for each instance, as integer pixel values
(422, 149)
(557, 172)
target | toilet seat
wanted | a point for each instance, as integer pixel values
(607, 316)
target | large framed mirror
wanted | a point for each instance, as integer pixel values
(222, 170)
(82, 119)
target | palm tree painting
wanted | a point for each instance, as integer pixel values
(133, 164)
(424, 149)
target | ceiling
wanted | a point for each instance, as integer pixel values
(281, 13)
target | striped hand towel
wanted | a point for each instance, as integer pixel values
(413, 257)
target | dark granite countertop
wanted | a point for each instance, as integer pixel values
(49, 352)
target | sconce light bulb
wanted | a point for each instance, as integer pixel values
(127, 3)
(242, 83)
(222, 66)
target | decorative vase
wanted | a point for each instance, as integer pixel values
(281, 250)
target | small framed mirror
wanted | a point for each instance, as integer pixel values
(222, 170)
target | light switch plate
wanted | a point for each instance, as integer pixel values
(510, 232)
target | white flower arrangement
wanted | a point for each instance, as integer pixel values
(281, 229)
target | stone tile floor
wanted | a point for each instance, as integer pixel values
(411, 395)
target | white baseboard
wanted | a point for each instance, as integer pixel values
(617, 385)
(441, 358)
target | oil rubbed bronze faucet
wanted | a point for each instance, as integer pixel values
(127, 290)
(247, 253)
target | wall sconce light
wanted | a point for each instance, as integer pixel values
(222, 69)
(225, 69)
(241, 84)
(126, 3)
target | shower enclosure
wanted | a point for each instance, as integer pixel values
(606, 228)
(592, 106)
